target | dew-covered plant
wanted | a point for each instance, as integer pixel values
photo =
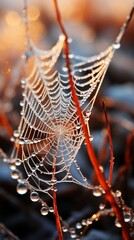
(55, 117)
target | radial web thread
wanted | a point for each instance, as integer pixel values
(50, 130)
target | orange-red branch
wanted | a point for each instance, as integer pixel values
(100, 176)
(57, 218)
(6, 124)
(111, 147)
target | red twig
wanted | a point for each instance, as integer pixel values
(126, 168)
(6, 124)
(128, 155)
(8, 233)
(111, 147)
(57, 218)
(101, 178)
(103, 151)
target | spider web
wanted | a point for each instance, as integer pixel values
(50, 131)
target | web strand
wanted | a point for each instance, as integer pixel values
(50, 132)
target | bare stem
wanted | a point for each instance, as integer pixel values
(6, 124)
(108, 194)
(111, 147)
(125, 26)
(57, 218)
(8, 233)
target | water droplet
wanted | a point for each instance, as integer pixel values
(44, 210)
(36, 140)
(84, 179)
(117, 223)
(83, 222)
(33, 154)
(71, 55)
(15, 174)
(89, 221)
(116, 45)
(78, 226)
(12, 166)
(73, 235)
(21, 188)
(41, 163)
(78, 126)
(86, 118)
(72, 230)
(23, 81)
(91, 138)
(97, 192)
(37, 165)
(16, 133)
(12, 139)
(23, 57)
(118, 193)
(51, 209)
(5, 160)
(21, 113)
(88, 113)
(64, 69)
(22, 141)
(69, 40)
(55, 189)
(29, 174)
(69, 175)
(54, 180)
(23, 94)
(21, 103)
(33, 169)
(127, 216)
(18, 162)
(101, 206)
(34, 196)
(64, 229)
(62, 37)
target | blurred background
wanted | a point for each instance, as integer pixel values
(93, 25)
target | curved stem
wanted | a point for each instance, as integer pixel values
(111, 147)
(57, 218)
(4, 122)
(108, 194)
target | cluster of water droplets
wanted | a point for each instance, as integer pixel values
(127, 212)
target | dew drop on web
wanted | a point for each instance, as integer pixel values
(44, 211)
(15, 174)
(34, 196)
(22, 188)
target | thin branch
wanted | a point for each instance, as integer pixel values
(6, 124)
(128, 155)
(57, 218)
(126, 168)
(95, 216)
(111, 147)
(91, 154)
(8, 233)
(125, 26)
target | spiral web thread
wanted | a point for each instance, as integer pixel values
(50, 131)
(49, 128)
